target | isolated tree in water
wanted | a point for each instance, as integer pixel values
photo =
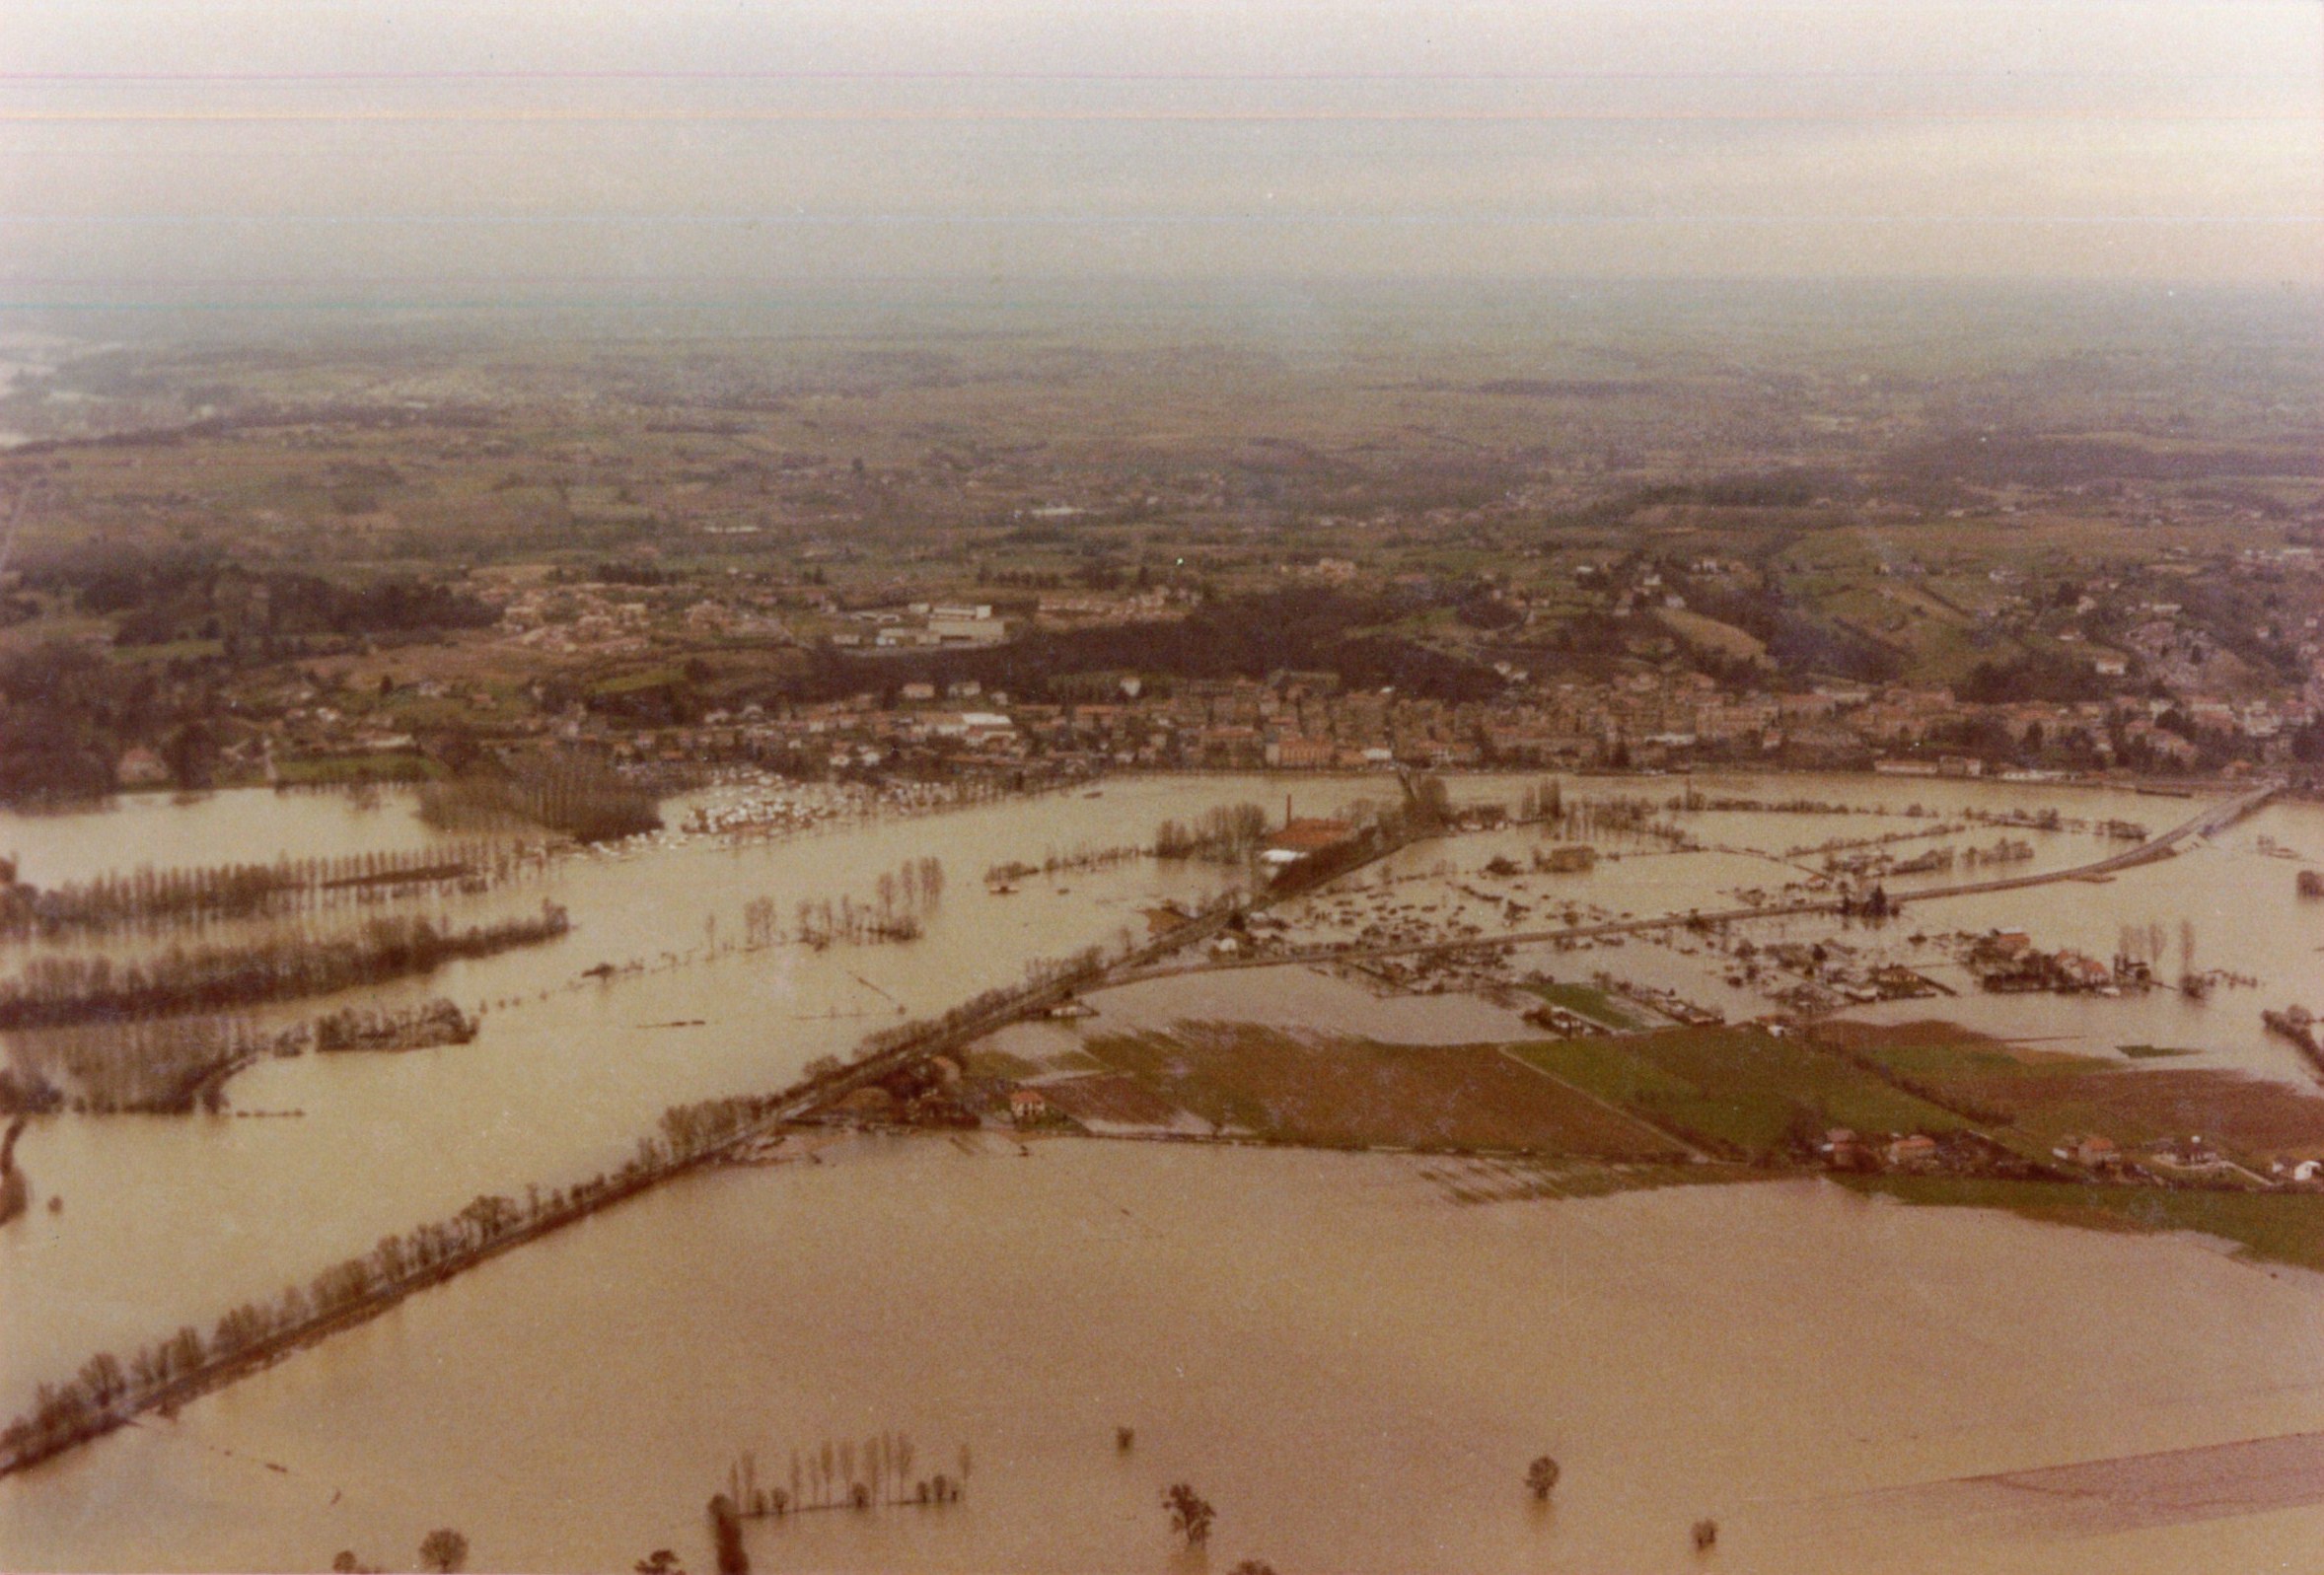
(726, 1524)
(1191, 1514)
(443, 1550)
(1540, 1476)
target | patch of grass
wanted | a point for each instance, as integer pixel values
(1591, 1002)
(1936, 1052)
(1738, 1090)
(1711, 634)
(2276, 1226)
(984, 1061)
(2151, 1052)
(656, 677)
(2044, 1096)
(1612, 1069)
(1358, 1094)
(395, 766)
(987, 1061)
(1977, 1058)
(2246, 1116)
(168, 651)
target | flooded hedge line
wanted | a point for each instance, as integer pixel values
(169, 1065)
(147, 896)
(59, 991)
(108, 1390)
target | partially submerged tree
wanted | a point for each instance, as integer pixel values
(443, 1550)
(726, 1529)
(1191, 1514)
(1540, 1476)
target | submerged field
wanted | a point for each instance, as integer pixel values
(1305, 1335)
(1352, 1363)
(2272, 1227)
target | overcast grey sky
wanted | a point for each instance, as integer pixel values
(360, 149)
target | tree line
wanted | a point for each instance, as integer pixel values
(1635, 819)
(1081, 856)
(67, 713)
(575, 794)
(1041, 974)
(844, 1475)
(147, 896)
(169, 1065)
(1541, 801)
(178, 597)
(165, 1065)
(58, 991)
(410, 1027)
(1226, 834)
(107, 1389)
(901, 899)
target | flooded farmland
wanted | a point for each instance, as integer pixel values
(167, 1219)
(1306, 1337)
(1817, 1368)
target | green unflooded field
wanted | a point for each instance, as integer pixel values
(1591, 1002)
(1341, 1093)
(988, 1060)
(2276, 1226)
(1942, 1052)
(2032, 1099)
(1579, 1117)
(395, 766)
(1738, 1090)
(167, 651)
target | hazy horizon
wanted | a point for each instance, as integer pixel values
(162, 155)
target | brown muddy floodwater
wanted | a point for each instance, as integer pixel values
(175, 1219)
(1353, 1367)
